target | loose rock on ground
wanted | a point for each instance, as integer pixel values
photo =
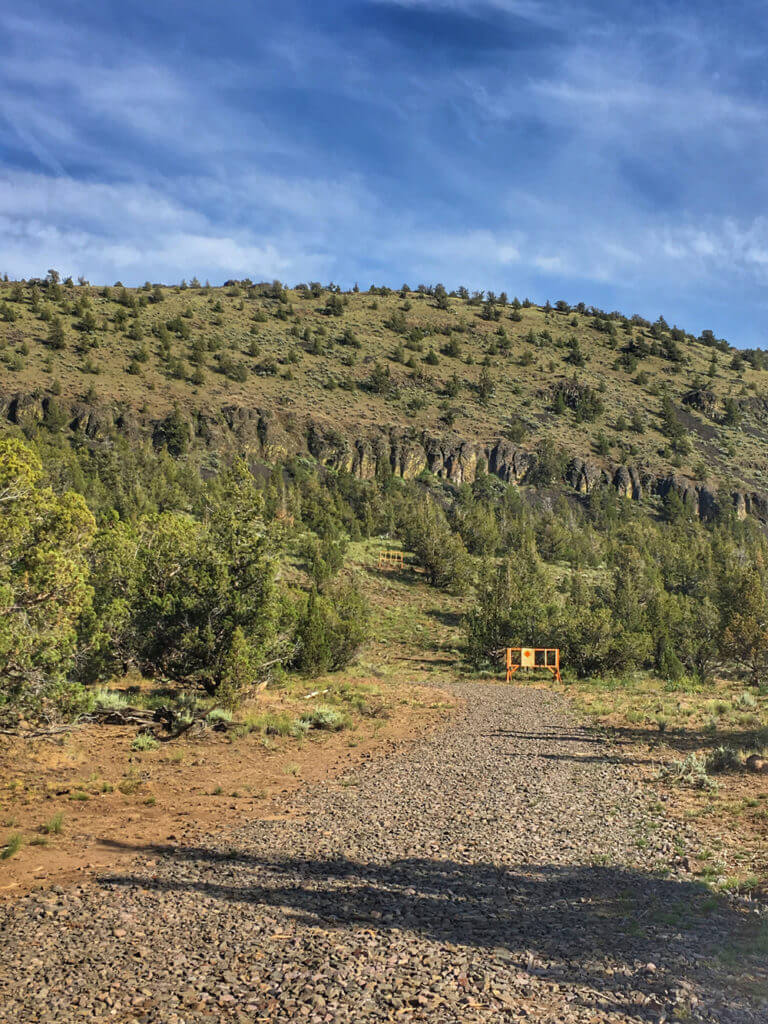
(508, 868)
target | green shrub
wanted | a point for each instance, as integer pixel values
(192, 600)
(271, 724)
(692, 771)
(218, 715)
(44, 537)
(424, 529)
(331, 628)
(145, 741)
(325, 717)
(723, 759)
(54, 825)
(109, 700)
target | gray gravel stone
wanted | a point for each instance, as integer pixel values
(508, 868)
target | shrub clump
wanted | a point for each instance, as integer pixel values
(723, 759)
(331, 628)
(145, 741)
(218, 715)
(692, 771)
(109, 700)
(12, 846)
(325, 717)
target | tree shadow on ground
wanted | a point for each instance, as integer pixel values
(598, 928)
(606, 754)
(687, 740)
(683, 742)
(446, 618)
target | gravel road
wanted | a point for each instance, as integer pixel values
(509, 868)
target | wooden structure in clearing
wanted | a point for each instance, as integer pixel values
(391, 560)
(533, 657)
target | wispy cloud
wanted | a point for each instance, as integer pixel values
(584, 151)
(136, 231)
(540, 12)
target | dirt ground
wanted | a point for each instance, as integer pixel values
(114, 801)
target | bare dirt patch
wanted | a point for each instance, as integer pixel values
(110, 799)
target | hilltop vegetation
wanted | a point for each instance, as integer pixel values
(600, 386)
(220, 566)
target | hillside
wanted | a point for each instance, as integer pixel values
(421, 379)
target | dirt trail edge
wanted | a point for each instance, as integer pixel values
(504, 869)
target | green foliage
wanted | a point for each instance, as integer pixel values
(486, 386)
(173, 432)
(745, 638)
(549, 464)
(57, 335)
(325, 717)
(109, 700)
(512, 610)
(692, 771)
(670, 423)
(164, 574)
(192, 600)
(11, 846)
(657, 609)
(216, 715)
(144, 741)
(44, 540)
(325, 557)
(425, 530)
(723, 759)
(335, 306)
(55, 824)
(331, 628)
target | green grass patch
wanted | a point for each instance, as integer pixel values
(325, 717)
(145, 741)
(12, 846)
(55, 824)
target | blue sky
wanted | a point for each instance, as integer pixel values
(614, 153)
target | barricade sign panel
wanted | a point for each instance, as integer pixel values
(391, 560)
(533, 657)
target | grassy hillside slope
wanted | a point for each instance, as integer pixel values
(447, 365)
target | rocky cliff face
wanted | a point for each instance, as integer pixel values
(277, 435)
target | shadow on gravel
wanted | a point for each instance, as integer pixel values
(625, 934)
(586, 758)
(554, 737)
(683, 742)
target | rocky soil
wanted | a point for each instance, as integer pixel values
(508, 868)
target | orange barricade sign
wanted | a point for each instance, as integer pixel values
(391, 560)
(533, 657)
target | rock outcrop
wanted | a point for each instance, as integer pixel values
(278, 434)
(702, 400)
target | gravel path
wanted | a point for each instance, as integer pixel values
(507, 869)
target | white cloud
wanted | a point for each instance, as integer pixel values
(530, 10)
(135, 231)
(184, 178)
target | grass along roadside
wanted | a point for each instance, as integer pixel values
(699, 747)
